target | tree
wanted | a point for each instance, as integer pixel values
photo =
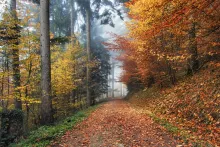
(88, 46)
(15, 60)
(164, 36)
(193, 63)
(46, 101)
(60, 14)
(100, 72)
(72, 17)
(90, 15)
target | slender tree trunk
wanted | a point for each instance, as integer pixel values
(8, 79)
(46, 101)
(171, 72)
(13, 5)
(113, 78)
(88, 26)
(72, 18)
(15, 63)
(193, 62)
(2, 84)
(26, 124)
(107, 94)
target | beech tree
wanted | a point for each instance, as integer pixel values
(166, 38)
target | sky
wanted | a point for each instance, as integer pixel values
(2, 6)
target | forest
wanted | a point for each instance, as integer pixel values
(104, 73)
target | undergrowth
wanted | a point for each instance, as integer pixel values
(45, 134)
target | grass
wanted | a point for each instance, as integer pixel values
(45, 134)
(175, 131)
(168, 126)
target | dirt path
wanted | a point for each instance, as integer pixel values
(117, 124)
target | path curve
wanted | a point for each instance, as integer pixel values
(117, 124)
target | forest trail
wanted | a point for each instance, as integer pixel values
(117, 124)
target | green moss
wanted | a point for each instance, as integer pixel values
(45, 134)
(169, 127)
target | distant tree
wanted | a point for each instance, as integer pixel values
(72, 16)
(60, 14)
(88, 48)
(106, 18)
(100, 72)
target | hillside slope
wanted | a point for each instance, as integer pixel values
(192, 105)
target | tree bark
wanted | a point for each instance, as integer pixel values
(88, 27)
(193, 62)
(72, 17)
(2, 82)
(113, 78)
(15, 63)
(46, 101)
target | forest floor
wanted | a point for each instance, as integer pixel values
(116, 124)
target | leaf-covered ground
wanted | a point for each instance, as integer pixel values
(192, 105)
(116, 124)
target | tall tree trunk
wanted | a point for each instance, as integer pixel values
(88, 27)
(193, 62)
(46, 101)
(72, 17)
(72, 25)
(15, 64)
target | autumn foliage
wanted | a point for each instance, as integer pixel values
(167, 41)
(68, 63)
(170, 54)
(191, 106)
(167, 38)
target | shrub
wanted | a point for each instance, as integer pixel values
(11, 126)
